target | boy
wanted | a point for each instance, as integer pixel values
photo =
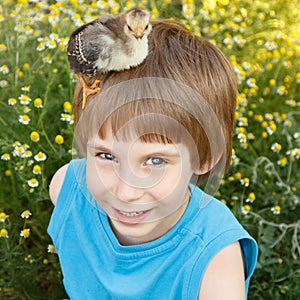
(128, 222)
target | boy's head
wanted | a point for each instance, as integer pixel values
(184, 92)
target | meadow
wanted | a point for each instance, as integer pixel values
(262, 187)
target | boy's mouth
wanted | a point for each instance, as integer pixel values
(131, 217)
(131, 214)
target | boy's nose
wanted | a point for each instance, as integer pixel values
(128, 188)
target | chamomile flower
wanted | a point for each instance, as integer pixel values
(239, 40)
(25, 88)
(245, 209)
(12, 101)
(51, 44)
(47, 59)
(38, 102)
(281, 90)
(250, 198)
(24, 99)
(65, 117)
(59, 139)
(271, 45)
(282, 161)
(37, 170)
(5, 156)
(51, 248)
(41, 156)
(3, 83)
(251, 82)
(73, 151)
(33, 182)
(24, 119)
(40, 47)
(3, 217)
(271, 128)
(4, 69)
(4, 233)
(276, 147)
(35, 136)
(25, 233)
(26, 214)
(296, 135)
(2, 47)
(276, 210)
(67, 106)
(245, 181)
(243, 121)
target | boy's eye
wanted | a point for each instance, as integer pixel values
(155, 161)
(106, 156)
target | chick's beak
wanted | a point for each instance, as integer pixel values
(138, 33)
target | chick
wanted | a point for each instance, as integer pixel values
(109, 43)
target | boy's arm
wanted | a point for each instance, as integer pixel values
(56, 183)
(224, 278)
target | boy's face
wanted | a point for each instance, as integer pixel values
(143, 187)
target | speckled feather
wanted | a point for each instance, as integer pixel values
(102, 46)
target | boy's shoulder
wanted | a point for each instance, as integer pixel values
(56, 182)
(213, 218)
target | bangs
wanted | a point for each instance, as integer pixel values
(150, 121)
(151, 110)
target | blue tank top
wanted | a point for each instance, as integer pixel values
(96, 266)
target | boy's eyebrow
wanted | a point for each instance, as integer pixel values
(96, 145)
(158, 152)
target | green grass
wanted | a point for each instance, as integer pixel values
(261, 40)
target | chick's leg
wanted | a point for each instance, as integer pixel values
(88, 89)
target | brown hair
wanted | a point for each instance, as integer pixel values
(184, 78)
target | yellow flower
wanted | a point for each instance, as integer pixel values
(40, 156)
(24, 119)
(245, 209)
(33, 182)
(276, 147)
(280, 260)
(258, 118)
(5, 156)
(7, 172)
(282, 90)
(3, 216)
(38, 102)
(282, 162)
(251, 197)
(37, 169)
(26, 214)
(34, 136)
(4, 233)
(25, 233)
(59, 139)
(51, 248)
(276, 210)
(245, 181)
(238, 175)
(67, 106)
(12, 101)
(24, 99)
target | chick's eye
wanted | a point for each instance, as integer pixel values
(146, 27)
(155, 161)
(129, 28)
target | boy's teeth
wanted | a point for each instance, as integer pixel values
(131, 214)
